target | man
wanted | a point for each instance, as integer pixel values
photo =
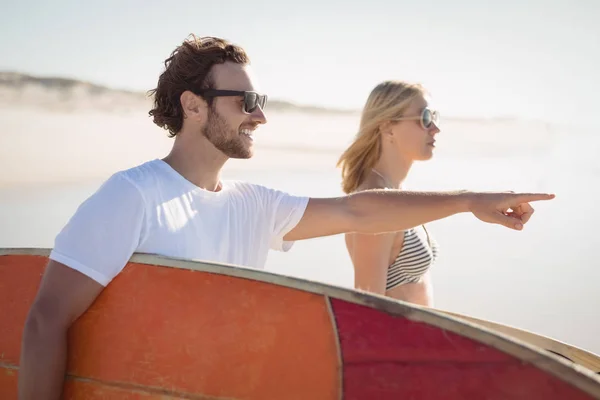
(179, 206)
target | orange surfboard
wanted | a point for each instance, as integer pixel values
(167, 328)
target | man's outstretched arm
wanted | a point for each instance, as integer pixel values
(378, 211)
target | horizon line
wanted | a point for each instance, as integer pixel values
(69, 81)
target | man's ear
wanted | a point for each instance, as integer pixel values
(192, 105)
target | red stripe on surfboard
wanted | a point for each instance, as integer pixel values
(391, 357)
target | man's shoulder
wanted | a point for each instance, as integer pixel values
(140, 173)
(142, 176)
(244, 188)
(132, 183)
(264, 195)
(240, 185)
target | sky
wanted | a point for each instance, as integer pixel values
(530, 59)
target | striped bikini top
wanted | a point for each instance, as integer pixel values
(419, 251)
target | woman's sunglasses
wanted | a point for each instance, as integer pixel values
(427, 118)
(251, 99)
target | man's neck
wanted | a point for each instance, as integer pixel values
(197, 161)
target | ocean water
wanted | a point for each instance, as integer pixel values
(545, 278)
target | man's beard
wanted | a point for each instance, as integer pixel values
(229, 141)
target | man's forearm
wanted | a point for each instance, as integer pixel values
(378, 211)
(43, 363)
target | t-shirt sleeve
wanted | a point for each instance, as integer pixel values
(104, 232)
(287, 210)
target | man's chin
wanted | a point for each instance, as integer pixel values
(244, 157)
(249, 153)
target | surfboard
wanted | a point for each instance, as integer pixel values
(168, 328)
(569, 352)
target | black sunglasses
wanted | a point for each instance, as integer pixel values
(427, 118)
(251, 99)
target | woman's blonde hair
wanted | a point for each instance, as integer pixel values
(387, 101)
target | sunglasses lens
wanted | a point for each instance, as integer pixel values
(429, 118)
(252, 100)
(262, 101)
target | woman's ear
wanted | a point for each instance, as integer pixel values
(386, 128)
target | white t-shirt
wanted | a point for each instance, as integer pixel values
(153, 209)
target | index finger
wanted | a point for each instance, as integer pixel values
(527, 197)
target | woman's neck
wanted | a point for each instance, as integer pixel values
(393, 172)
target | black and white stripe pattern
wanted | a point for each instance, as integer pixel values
(418, 253)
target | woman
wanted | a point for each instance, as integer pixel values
(396, 129)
